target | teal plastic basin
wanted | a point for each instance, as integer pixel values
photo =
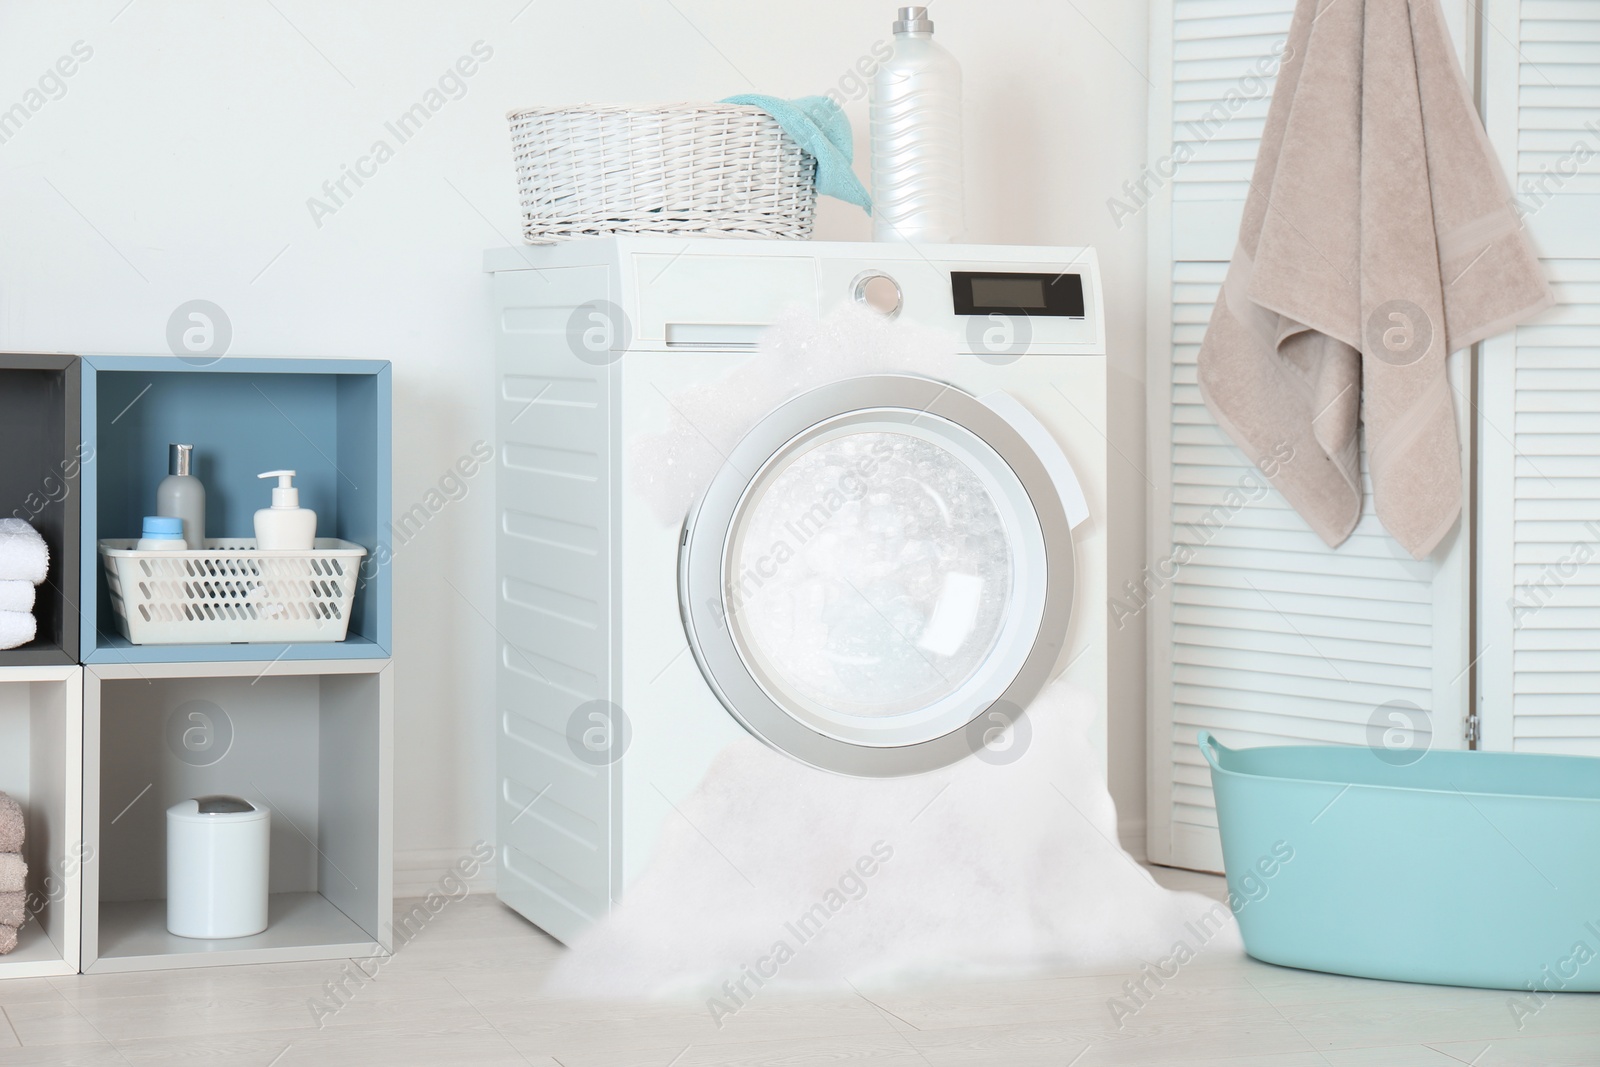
(1461, 868)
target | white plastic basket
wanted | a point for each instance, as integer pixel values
(230, 592)
(713, 170)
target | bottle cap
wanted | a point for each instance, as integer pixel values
(285, 495)
(163, 528)
(179, 458)
(913, 20)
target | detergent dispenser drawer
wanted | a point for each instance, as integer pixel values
(717, 301)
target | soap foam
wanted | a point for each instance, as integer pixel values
(863, 564)
(671, 468)
(992, 869)
(994, 866)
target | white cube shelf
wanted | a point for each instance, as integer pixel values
(311, 741)
(41, 766)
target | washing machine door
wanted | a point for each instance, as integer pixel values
(882, 572)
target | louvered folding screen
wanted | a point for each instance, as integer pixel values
(1539, 588)
(1264, 635)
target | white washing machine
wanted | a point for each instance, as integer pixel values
(878, 570)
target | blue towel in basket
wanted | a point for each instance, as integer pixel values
(820, 127)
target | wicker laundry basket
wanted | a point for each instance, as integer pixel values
(710, 170)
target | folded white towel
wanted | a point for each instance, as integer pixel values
(16, 594)
(17, 628)
(23, 554)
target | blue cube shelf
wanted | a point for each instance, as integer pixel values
(328, 419)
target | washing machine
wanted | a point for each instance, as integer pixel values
(873, 569)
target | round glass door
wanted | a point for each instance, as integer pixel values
(881, 578)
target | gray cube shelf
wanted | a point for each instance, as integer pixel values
(311, 741)
(39, 482)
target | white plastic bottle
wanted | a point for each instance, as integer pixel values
(916, 138)
(285, 525)
(162, 533)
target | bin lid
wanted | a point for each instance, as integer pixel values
(214, 806)
(223, 805)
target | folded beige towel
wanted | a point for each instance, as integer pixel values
(12, 827)
(1378, 237)
(8, 939)
(13, 909)
(13, 873)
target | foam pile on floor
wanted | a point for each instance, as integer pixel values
(777, 873)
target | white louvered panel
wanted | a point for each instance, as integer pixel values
(1539, 595)
(1555, 518)
(1266, 636)
(1273, 639)
(1219, 99)
(1558, 99)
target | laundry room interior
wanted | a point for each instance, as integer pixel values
(683, 532)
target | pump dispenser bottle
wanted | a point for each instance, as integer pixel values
(285, 526)
(181, 496)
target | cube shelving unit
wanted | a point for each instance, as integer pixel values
(39, 482)
(41, 766)
(310, 740)
(329, 420)
(98, 737)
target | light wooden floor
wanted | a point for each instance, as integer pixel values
(466, 992)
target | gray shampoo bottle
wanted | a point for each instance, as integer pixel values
(181, 496)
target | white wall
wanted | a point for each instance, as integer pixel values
(178, 161)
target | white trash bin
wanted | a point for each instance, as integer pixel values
(217, 849)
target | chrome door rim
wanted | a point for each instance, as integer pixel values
(709, 534)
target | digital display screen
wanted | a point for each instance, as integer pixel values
(1001, 290)
(1055, 295)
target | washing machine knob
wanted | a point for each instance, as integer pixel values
(879, 292)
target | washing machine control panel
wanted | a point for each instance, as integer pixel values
(998, 301)
(1057, 295)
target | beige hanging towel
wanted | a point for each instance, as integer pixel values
(1378, 237)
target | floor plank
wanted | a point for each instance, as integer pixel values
(468, 990)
